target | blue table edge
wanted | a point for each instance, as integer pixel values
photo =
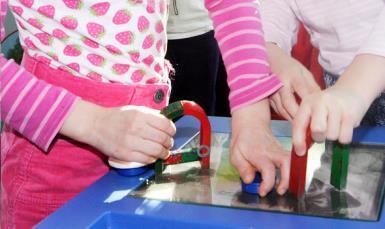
(93, 202)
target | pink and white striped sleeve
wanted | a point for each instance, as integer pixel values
(34, 108)
(238, 30)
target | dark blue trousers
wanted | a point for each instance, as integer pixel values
(199, 73)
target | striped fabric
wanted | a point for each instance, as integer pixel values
(37, 110)
(238, 31)
(31, 106)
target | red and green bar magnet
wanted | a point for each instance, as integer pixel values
(201, 153)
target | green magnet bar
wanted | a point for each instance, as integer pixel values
(340, 164)
(173, 110)
(178, 157)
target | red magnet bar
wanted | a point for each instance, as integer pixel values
(191, 108)
(298, 169)
(183, 107)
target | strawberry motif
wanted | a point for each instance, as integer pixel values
(47, 10)
(152, 80)
(148, 42)
(100, 9)
(35, 23)
(113, 50)
(95, 30)
(60, 34)
(134, 55)
(121, 17)
(120, 69)
(17, 9)
(74, 66)
(21, 24)
(96, 60)
(158, 69)
(72, 50)
(159, 27)
(65, 69)
(69, 22)
(94, 76)
(148, 60)
(159, 45)
(90, 43)
(73, 4)
(29, 43)
(150, 6)
(137, 75)
(143, 24)
(125, 38)
(27, 3)
(44, 38)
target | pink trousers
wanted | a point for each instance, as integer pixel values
(35, 183)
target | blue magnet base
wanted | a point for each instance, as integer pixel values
(132, 172)
(253, 187)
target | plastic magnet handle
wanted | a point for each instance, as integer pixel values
(298, 167)
(184, 107)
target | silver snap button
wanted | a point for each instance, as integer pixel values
(158, 96)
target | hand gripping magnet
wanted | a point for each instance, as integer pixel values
(253, 187)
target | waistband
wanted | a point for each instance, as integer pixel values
(105, 94)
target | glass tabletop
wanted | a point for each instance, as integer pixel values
(220, 186)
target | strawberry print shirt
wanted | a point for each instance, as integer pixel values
(119, 41)
(109, 41)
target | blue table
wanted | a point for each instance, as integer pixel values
(105, 204)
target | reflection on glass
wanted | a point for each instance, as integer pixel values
(220, 185)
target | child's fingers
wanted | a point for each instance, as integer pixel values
(334, 123)
(284, 165)
(318, 124)
(267, 170)
(162, 123)
(272, 104)
(158, 136)
(346, 132)
(300, 125)
(149, 148)
(246, 171)
(281, 109)
(289, 102)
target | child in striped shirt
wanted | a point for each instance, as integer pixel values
(92, 79)
(350, 36)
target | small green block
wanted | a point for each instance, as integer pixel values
(190, 156)
(159, 167)
(173, 110)
(340, 164)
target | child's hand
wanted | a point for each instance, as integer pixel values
(130, 133)
(254, 148)
(296, 79)
(332, 115)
